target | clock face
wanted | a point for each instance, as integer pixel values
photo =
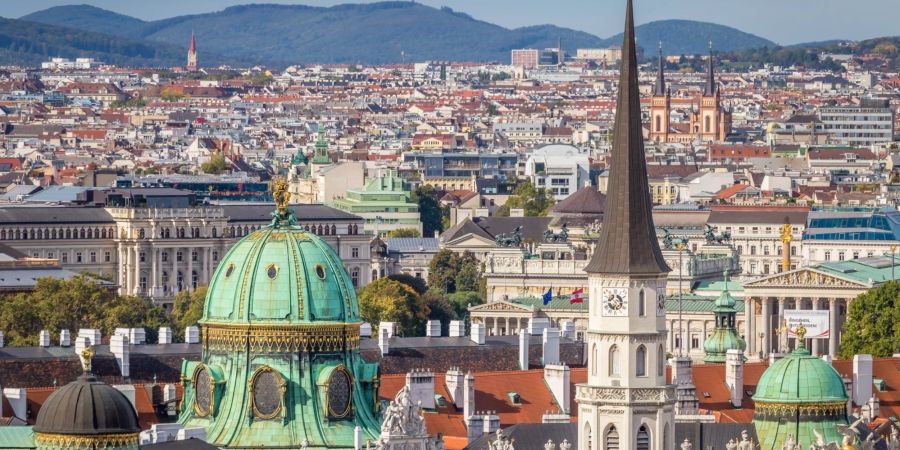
(615, 302)
(660, 305)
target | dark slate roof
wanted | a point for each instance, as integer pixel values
(413, 245)
(463, 228)
(659, 89)
(532, 227)
(628, 242)
(304, 213)
(711, 435)
(587, 200)
(531, 436)
(758, 215)
(87, 406)
(54, 214)
(187, 444)
(710, 88)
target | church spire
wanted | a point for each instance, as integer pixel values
(628, 242)
(710, 75)
(192, 54)
(660, 89)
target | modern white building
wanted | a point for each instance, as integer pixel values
(869, 123)
(563, 169)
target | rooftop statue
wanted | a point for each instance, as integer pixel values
(511, 239)
(556, 238)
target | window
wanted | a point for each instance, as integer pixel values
(107, 256)
(178, 256)
(193, 255)
(642, 308)
(354, 276)
(641, 362)
(64, 257)
(695, 341)
(142, 256)
(93, 256)
(840, 256)
(660, 361)
(658, 124)
(827, 256)
(77, 257)
(354, 252)
(612, 438)
(51, 255)
(165, 256)
(614, 360)
(215, 255)
(588, 436)
(643, 438)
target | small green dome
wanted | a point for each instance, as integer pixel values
(280, 275)
(725, 336)
(800, 378)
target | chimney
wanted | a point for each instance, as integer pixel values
(457, 328)
(18, 402)
(1, 339)
(118, 346)
(169, 393)
(165, 335)
(93, 335)
(550, 417)
(536, 325)
(384, 342)
(475, 427)
(551, 346)
(491, 421)
(198, 433)
(524, 339)
(387, 328)
(734, 375)
(568, 329)
(44, 339)
(454, 382)
(192, 335)
(872, 409)
(81, 343)
(433, 328)
(137, 336)
(421, 387)
(557, 378)
(357, 438)
(65, 339)
(469, 395)
(862, 379)
(478, 332)
(365, 330)
(686, 402)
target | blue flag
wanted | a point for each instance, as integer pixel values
(548, 296)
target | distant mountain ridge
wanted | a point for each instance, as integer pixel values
(373, 33)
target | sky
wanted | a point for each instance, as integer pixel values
(783, 21)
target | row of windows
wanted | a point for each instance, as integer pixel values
(611, 437)
(140, 233)
(641, 361)
(57, 233)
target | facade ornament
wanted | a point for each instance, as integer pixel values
(502, 443)
(511, 239)
(686, 445)
(549, 445)
(557, 238)
(404, 427)
(731, 445)
(565, 445)
(667, 243)
(746, 443)
(790, 443)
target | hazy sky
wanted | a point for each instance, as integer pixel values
(783, 21)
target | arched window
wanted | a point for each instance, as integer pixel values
(214, 232)
(40, 234)
(643, 438)
(333, 230)
(612, 438)
(614, 360)
(588, 436)
(707, 125)
(374, 271)
(658, 124)
(102, 233)
(640, 366)
(68, 233)
(660, 361)
(81, 233)
(665, 435)
(642, 304)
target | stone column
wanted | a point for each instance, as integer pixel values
(154, 270)
(190, 268)
(749, 310)
(767, 326)
(833, 327)
(122, 262)
(815, 342)
(204, 278)
(136, 276)
(496, 326)
(174, 277)
(782, 304)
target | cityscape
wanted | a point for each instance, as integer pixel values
(393, 226)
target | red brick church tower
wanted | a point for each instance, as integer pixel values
(192, 55)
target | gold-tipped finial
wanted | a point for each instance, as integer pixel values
(801, 333)
(281, 195)
(86, 356)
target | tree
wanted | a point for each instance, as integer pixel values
(404, 233)
(462, 299)
(171, 95)
(442, 270)
(873, 323)
(187, 310)
(440, 308)
(216, 165)
(535, 202)
(386, 300)
(134, 312)
(469, 273)
(417, 283)
(430, 211)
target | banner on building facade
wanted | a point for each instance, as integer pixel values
(815, 321)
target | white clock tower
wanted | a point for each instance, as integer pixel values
(626, 403)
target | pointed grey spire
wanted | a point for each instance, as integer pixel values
(659, 89)
(710, 75)
(628, 242)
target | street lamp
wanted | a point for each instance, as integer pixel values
(680, 247)
(893, 250)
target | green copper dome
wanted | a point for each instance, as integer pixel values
(280, 365)
(796, 395)
(280, 275)
(725, 336)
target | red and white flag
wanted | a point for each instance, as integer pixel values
(577, 296)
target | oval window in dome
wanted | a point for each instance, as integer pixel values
(267, 392)
(229, 270)
(339, 393)
(272, 271)
(203, 391)
(320, 271)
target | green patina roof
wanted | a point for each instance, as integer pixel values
(242, 290)
(725, 336)
(557, 302)
(864, 270)
(321, 154)
(16, 437)
(718, 286)
(800, 377)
